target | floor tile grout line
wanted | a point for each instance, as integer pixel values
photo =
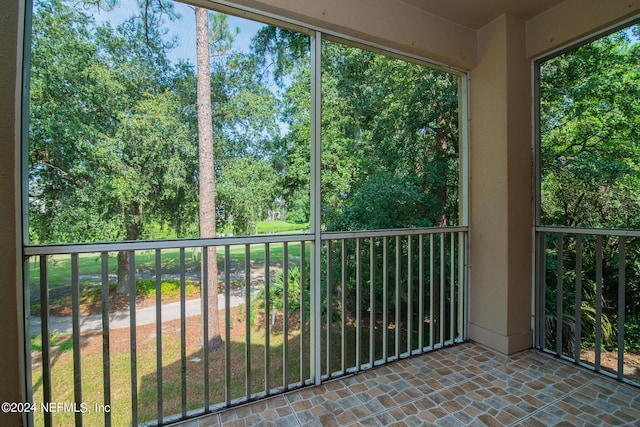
(347, 387)
(489, 372)
(560, 399)
(387, 410)
(293, 411)
(503, 365)
(595, 377)
(492, 371)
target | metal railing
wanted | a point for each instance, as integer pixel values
(392, 294)
(586, 285)
(381, 296)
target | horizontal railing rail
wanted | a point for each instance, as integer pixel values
(587, 304)
(391, 232)
(621, 232)
(141, 245)
(385, 295)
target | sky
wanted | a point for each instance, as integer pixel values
(184, 32)
(183, 28)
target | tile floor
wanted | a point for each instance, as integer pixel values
(465, 385)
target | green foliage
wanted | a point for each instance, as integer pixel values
(590, 173)
(145, 288)
(389, 135)
(246, 190)
(278, 226)
(63, 342)
(170, 288)
(105, 126)
(114, 119)
(632, 334)
(293, 291)
(94, 295)
(589, 132)
(253, 312)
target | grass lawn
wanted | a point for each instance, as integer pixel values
(296, 357)
(90, 266)
(59, 266)
(147, 384)
(158, 232)
(278, 226)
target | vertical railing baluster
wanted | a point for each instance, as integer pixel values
(133, 338)
(372, 301)
(316, 207)
(343, 305)
(358, 304)
(559, 291)
(285, 315)
(432, 279)
(106, 358)
(227, 324)
(621, 303)
(421, 293)
(452, 288)
(159, 334)
(303, 320)
(466, 275)
(397, 302)
(443, 278)
(577, 338)
(329, 310)
(28, 263)
(409, 295)
(541, 285)
(461, 281)
(247, 296)
(204, 309)
(183, 333)
(267, 318)
(598, 301)
(75, 313)
(44, 333)
(385, 302)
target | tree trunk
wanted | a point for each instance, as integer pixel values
(207, 177)
(443, 143)
(123, 273)
(123, 257)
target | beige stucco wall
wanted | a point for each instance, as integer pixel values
(11, 332)
(573, 20)
(501, 181)
(387, 22)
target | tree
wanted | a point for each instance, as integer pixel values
(221, 39)
(589, 132)
(389, 135)
(246, 192)
(590, 174)
(107, 126)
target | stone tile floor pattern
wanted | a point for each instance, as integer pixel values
(465, 385)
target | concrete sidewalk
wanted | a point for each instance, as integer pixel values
(144, 316)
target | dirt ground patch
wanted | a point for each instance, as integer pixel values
(609, 362)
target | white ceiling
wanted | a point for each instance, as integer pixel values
(478, 13)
